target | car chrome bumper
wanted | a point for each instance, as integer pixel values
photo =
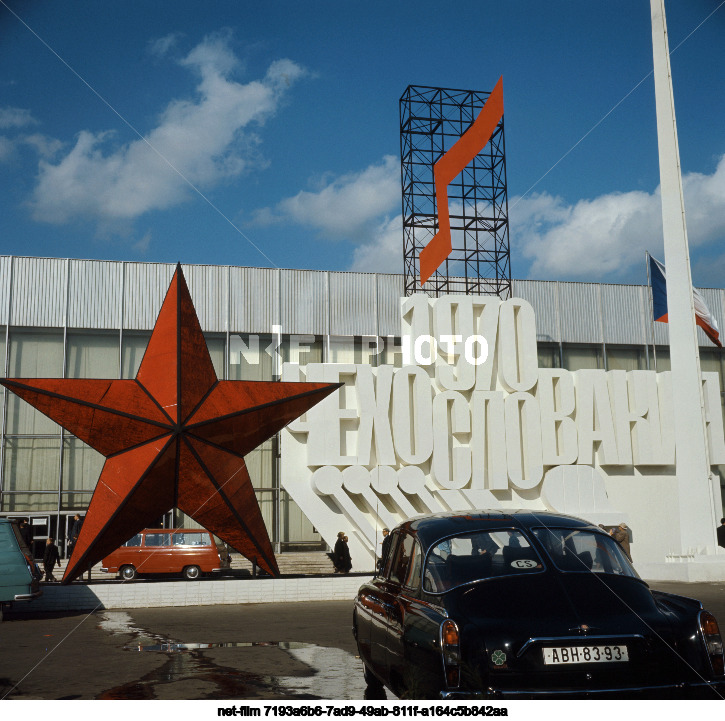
(28, 596)
(704, 690)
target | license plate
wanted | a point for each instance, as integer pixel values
(585, 654)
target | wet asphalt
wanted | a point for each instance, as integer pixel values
(256, 651)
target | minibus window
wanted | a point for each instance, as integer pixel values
(134, 541)
(192, 539)
(158, 539)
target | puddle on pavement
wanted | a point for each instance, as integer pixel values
(319, 672)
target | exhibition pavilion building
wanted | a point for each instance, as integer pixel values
(92, 319)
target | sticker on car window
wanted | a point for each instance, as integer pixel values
(523, 563)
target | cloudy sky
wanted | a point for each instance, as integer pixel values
(267, 134)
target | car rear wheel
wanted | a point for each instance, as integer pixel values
(128, 573)
(371, 679)
(192, 573)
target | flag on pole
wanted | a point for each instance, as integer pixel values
(703, 317)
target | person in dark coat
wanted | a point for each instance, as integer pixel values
(26, 533)
(75, 531)
(384, 548)
(341, 554)
(51, 559)
(721, 533)
(338, 552)
(347, 559)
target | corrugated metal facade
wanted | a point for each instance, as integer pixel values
(353, 304)
(543, 296)
(53, 292)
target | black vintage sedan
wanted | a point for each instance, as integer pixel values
(527, 604)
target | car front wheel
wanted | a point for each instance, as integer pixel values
(128, 573)
(191, 573)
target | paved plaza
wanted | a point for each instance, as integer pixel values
(300, 650)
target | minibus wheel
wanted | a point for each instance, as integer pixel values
(191, 573)
(128, 573)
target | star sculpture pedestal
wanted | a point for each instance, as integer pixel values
(174, 437)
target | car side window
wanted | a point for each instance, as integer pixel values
(412, 580)
(392, 551)
(134, 540)
(401, 560)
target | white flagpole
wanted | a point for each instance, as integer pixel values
(695, 493)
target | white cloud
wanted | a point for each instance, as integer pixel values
(384, 252)
(44, 145)
(15, 118)
(6, 148)
(607, 236)
(349, 207)
(161, 46)
(205, 140)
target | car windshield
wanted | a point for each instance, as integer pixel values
(581, 551)
(478, 556)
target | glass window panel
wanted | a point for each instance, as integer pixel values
(134, 541)
(266, 506)
(413, 579)
(663, 360)
(77, 501)
(250, 357)
(29, 502)
(32, 464)
(548, 355)
(33, 354)
(625, 359)
(295, 526)
(92, 355)
(582, 357)
(191, 539)
(217, 348)
(134, 346)
(259, 465)
(157, 539)
(81, 465)
(400, 567)
(578, 551)
(478, 556)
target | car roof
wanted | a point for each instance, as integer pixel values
(431, 528)
(174, 530)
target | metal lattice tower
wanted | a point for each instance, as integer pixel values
(431, 121)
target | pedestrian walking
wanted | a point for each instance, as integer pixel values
(75, 531)
(347, 564)
(721, 533)
(341, 554)
(51, 559)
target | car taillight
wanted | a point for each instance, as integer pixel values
(451, 650)
(713, 642)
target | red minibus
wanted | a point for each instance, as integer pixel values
(191, 552)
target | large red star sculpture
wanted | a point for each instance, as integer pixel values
(175, 436)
